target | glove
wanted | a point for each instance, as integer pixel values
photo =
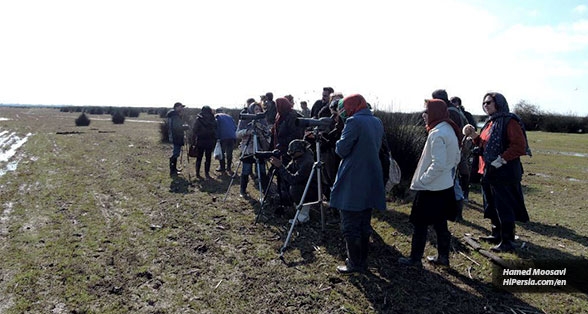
(498, 162)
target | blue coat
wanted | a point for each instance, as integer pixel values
(359, 184)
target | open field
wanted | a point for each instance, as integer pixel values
(91, 222)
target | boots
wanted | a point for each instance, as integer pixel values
(443, 243)
(207, 169)
(243, 187)
(507, 244)
(221, 168)
(365, 247)
(496, 235)
(353, 261)
(173, 170)
(459, 216)
(419, 239)
(198, 170)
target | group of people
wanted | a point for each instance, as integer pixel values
(354, 152)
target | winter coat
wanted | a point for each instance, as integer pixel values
(205, 130)
(226, 127)
(286, 131)
(439, 159)
(296, 174)
(175, 127)
(359, 184)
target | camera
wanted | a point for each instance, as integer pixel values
(251, 116)
(309, 122)
(267, 154)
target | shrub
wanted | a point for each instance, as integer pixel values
(530, 115)
(118, 118)
(406, 136)
(83, 120)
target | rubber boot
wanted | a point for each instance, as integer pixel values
(173, 171)
(221, 168)
(507, 244)
(365, 248)
(417, 248)
(496, 236)
(243, 188)
(459, 216)
(198, 170)
(207, 169)
(353, 261)
(443, 243)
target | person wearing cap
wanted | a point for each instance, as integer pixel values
(176, 130)
(296, 175)
(359, 185)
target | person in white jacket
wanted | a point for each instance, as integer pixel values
(433, 181)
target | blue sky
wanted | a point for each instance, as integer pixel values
(395, 53)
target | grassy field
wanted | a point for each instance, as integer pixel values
(91, 222)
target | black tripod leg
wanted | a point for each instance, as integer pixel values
(269, 183)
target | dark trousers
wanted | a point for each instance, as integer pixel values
(227, 147)
(356, 224)
(206, 152)
(419, 239)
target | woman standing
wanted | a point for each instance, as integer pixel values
(433, 181)
(502, 141)
(359, 184)
(205, 137)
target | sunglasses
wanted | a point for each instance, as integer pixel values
(486, 103)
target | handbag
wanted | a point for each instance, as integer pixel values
(218, 152)
(192, 151)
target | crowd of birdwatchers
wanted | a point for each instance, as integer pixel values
(279, 147)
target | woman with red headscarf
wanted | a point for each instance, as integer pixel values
(359, 184)
(285, 131)
(433, 180)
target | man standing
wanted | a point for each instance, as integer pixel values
(226, 129)
(176, 135)
(359, 185)
(270, 108)
(304, 109)
(319, 104)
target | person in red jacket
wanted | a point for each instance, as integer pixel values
(502, 141)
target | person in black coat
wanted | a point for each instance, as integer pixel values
(205, 137)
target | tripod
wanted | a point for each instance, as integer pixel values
(257, 162)
(316, 169)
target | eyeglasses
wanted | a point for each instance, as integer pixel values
(487, 103)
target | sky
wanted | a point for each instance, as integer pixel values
(219, 53)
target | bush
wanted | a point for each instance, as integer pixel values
(83, 120)
(118, 118)
(406, 136)
(530, 115)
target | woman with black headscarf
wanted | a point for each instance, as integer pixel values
(502, 141)
(205, 137)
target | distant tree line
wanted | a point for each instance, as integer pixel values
(537, 120)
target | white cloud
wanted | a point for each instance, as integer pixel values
(581, 9)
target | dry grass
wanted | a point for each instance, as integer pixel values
(92, 223)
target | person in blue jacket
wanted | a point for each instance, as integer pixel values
(359, 184)
(226, 134)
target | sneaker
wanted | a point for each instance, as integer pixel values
(438, 260)
(219, 169)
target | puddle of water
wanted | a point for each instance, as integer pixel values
(9, 145)
(574, 154)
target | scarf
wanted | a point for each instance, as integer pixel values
(436, 113)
